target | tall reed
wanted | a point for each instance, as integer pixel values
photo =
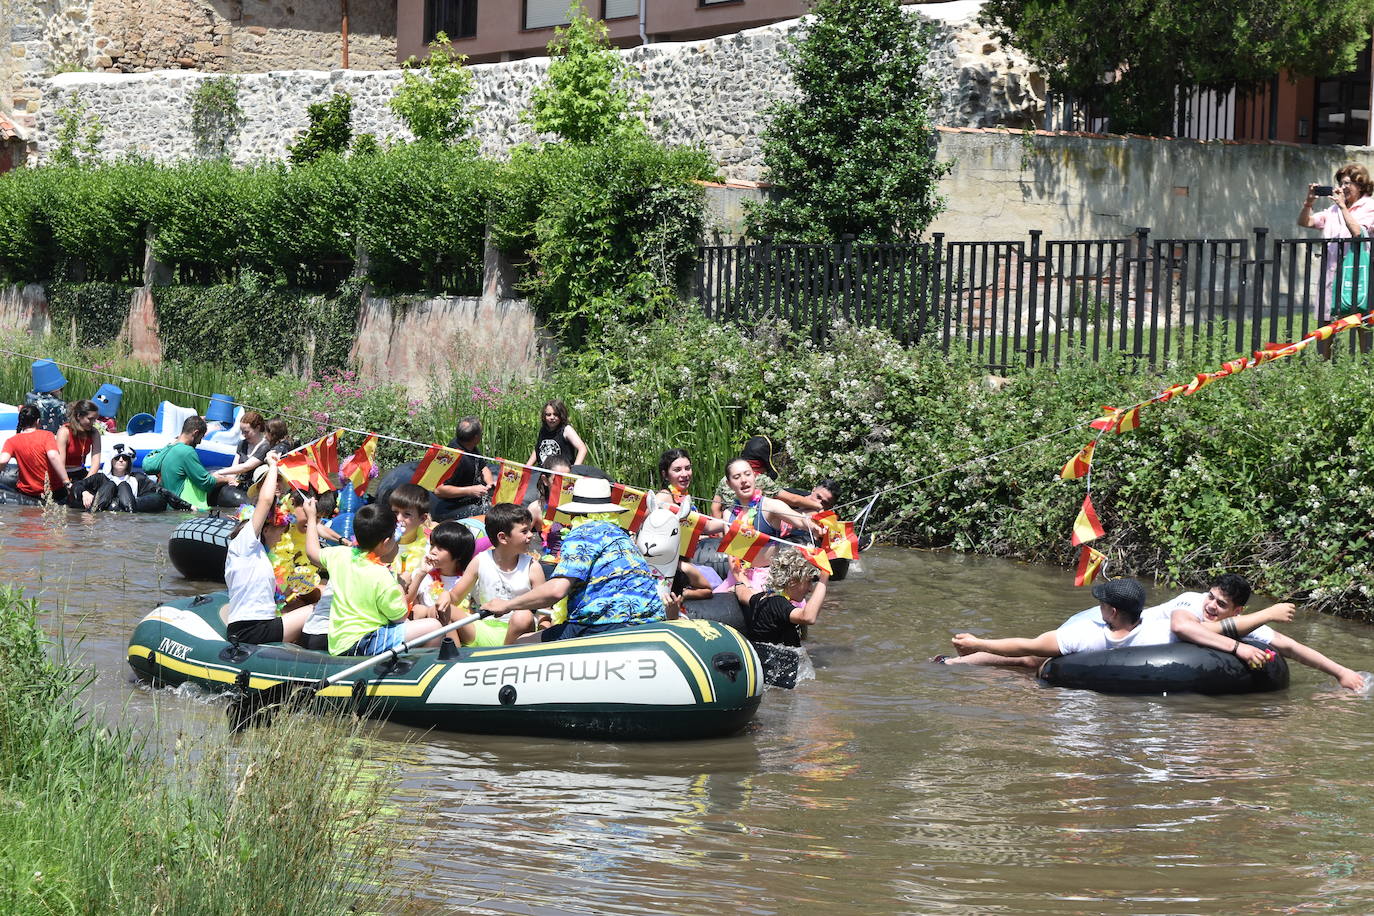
(288, 820)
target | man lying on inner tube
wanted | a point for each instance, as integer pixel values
(1209, 619)
(1120, 620)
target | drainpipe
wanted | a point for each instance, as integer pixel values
(643, 35)
(343, 6)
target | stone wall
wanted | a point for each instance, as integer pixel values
(714, 93)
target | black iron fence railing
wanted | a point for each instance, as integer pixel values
(1025, 302)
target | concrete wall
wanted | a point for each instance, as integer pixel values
(1005, 183)
(714, 93)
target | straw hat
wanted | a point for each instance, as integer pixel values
(590, 494)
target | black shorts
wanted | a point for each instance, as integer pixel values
(257, 632)
(316, 642)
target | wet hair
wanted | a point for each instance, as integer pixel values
(1234, 587)
(410, 496)
(788, 568)
(551, 463)
(78, 409)
(28, 416)
(194, 425)
(469, 429)
(1359, 175)
(254, 420)
(560, 410)
(502, 519)
(665, 461)
(457, 539)
(372, 525)
(276, 430)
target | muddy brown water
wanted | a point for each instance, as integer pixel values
(886, 784)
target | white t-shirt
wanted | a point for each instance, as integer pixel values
(249, 577)
(1192, 602)
(1082, 633)
(432, 588)
(493, 582)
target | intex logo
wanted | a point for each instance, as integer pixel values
(174, 649)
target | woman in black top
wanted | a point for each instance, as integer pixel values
(557, 438)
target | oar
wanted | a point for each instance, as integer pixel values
(253, 707)
(396, 652)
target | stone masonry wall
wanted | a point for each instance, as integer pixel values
(714, 93)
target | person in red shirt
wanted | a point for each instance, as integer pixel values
(35, 451)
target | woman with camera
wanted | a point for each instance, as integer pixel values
(1350, 216)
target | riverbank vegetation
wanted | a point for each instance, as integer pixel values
(1265, 473)
(286, 820)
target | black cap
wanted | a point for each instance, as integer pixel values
(1126, 595)
(760, 449)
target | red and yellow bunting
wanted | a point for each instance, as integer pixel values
(1089, 565)
(1086, 526)
(693, 528)
(512, 483)
(1079, 465)
(743, 542)
(839, 538)
(313, 466)
(358, 469)
(435, 467)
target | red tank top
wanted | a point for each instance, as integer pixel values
(78, 447)
(30, 451)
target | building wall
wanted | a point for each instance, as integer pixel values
(715, 93)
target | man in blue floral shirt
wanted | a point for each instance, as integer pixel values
(605, 578)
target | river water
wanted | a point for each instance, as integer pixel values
(887, 784)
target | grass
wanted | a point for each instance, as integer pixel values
(291, 819)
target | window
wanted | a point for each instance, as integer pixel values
(541, 14)
(618, 9)
(455, 18)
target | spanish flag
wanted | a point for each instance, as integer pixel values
(358, 468)
(635, 501)
(839, 538)
(817, 557)
(435, 466)
(1089, 565)
(313, 466)
(743, 542)
(1086, 527)
(513, 483)
(1079, 464)
(692, 529)
(560, 492)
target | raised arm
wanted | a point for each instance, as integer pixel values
(808, 612)
(266, 496)
(312, 536)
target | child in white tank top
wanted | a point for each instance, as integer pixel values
(505, 571)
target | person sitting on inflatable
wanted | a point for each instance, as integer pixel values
(410, 504)
(179, 468)
(1210, 619)
(368, 613)
(450, 552)
(505, 571)
(35, 451)
(1117, 624)
(253, 615)
(607, 581)
(78, 440)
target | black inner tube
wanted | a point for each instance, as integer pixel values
(1179, 667)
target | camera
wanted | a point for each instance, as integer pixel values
(1323, 190)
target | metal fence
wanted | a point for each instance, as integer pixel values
(1019, 303)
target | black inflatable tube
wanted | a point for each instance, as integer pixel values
(199, 546)
(722, 607)
(1179, 667)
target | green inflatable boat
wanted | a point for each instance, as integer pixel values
(679, 679)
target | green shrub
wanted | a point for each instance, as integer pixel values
(586, 97)
(436, 106)
(215, 114)
(99, 217)
(26, 252)
(422, 217)
(94, 312)
(202, 219)
(301, 223)
(330, 130)
(608, 230)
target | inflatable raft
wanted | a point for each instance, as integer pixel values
(674, 680)
(1179, 667)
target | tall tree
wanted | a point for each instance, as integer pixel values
(587, 96)
(854, 153)
(1130, 56)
